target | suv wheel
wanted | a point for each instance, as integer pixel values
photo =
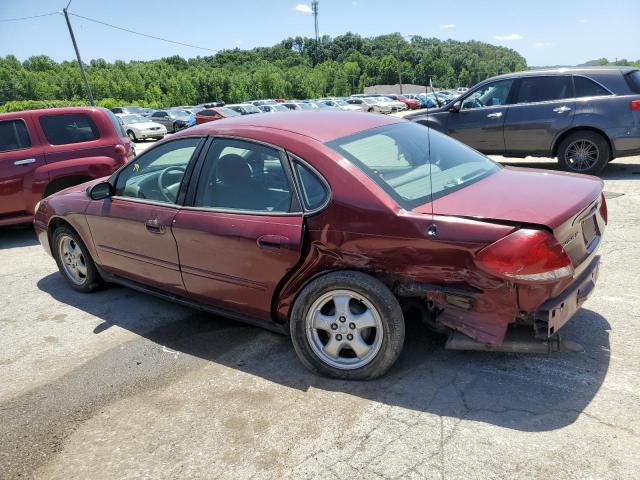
(132, 135)
(584, 152)
(74, 261)
(347, 325)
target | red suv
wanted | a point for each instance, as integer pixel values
(44, 151)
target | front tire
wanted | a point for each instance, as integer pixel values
(132, 135)
(584, 152)
(347, 325)
(74, 262)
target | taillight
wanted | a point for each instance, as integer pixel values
(526, 256)
(635, 105)
(603, 209)
(121, 150)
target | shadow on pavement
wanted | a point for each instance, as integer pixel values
(522, 392)
(18, 236)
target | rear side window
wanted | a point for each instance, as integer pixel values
(116, 124)
(633, 80)
(313, 190)
(69, 128)
(13, 136)
(544, 89)
(586, 87)
(206, 113)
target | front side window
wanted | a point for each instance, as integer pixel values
(157, 174)
(239, 175)
(490, 95)
(69, 128)
(13, 136)
(544, 89)
(412, 163)
(585, 87)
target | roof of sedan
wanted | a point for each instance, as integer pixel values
(321, 125)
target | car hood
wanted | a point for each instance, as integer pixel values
(521, 195)
(144, 125)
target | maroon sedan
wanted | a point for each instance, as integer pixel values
(215, 113)
(332, 227)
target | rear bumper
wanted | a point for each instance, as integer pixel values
(556, 312)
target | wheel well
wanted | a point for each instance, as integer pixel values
(64, 182)
(554, 152)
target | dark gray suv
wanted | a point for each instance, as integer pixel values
(584, 116)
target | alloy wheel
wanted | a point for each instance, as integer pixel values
(344, 329)
(582, 155)
(72, 258)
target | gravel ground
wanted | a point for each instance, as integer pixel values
(118, 384)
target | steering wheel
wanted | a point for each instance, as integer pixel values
(477, 103)
(164, 190)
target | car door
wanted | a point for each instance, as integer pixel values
(480, 118)
(20, 156)
(131, 229)
(163, 118)
(240, 231)
(542, 107)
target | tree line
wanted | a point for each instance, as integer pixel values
(295, 68)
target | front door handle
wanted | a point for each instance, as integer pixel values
(495, 115)
(153, 226)
(272, 242)
(25, 161)
(562, 109)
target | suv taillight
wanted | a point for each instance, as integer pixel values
(603, 209)
(526, 255)
(635, 105)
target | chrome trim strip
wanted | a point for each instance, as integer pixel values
(141, 258)
(220, 277)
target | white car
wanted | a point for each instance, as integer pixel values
(141, 128)
(395, 105)
(375, 104)
(341, 104)
(461, 90)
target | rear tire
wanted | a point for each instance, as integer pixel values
(584, 152)
(132, 135)
(74, 261)
(347, 325)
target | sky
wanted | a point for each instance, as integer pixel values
(545, 32)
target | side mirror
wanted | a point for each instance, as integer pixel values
(100, 190)
(456, 106)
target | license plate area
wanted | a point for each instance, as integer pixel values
(589, 230)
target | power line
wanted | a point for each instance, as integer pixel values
(28, 18)
(141, 34)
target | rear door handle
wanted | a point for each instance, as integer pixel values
(272, 242)
(25, 161)
(495, 115)
(154, 226)
(562, 109)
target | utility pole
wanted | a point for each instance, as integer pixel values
(314, 8)
(75, 46)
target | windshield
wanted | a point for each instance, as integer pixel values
(227, 112)
(251, 108)
(134, 109)
(129, 119)
(306, 106)
(413, 163)
(340, 102)
(370, 100)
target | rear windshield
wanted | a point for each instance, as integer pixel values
(413, 163)
(633, 79)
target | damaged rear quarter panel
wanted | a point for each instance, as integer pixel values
(345, 236)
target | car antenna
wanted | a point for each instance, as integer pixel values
(434, 93)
